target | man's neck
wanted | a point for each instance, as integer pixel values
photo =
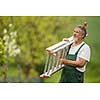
(77, 43)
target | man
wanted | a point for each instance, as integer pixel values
(77, 58)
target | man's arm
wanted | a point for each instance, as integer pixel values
(80, 63)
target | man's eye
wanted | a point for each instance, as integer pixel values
(76, 31)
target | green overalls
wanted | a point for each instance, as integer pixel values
(69, 73)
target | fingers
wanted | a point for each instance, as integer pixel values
(61, 60)
(65, 39)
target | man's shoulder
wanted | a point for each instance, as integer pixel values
(86, 46)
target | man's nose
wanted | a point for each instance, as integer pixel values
(74, 33)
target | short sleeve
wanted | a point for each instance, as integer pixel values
(85, 52)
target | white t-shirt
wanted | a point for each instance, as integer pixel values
(84, 53)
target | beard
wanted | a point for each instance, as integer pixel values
(75, 39)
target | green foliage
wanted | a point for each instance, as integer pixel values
(2, 53)
(36, 33)
(92, 73)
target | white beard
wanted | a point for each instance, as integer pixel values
(75, 39)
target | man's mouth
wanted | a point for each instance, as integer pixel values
(75, 38)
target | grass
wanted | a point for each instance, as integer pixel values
(54, 78)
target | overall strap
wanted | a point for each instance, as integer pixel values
(69, 48)
(79, 49)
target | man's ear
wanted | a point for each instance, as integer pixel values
(82, 35)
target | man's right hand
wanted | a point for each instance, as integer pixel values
(65, 39)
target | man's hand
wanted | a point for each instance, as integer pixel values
(61, 60)
(65, 39)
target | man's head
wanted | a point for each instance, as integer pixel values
(80, 32)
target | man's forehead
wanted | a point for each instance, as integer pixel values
(77, 28)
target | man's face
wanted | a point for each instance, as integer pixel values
(77, 34)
